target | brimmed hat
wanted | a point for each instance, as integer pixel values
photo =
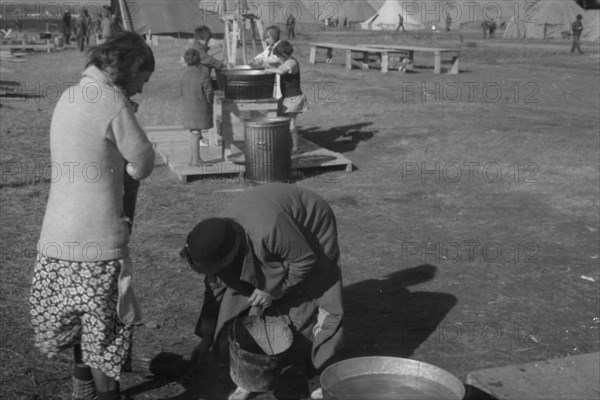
(213, 245)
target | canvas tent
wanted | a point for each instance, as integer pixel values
(164, 16)
(268, 11)
(592, 30)
(552, 19)
(386, 18)
(347, 10)
(424, 13)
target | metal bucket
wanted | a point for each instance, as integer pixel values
(377, 378)
(268, 150)
(257, 347)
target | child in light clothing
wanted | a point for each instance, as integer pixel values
(292, 101)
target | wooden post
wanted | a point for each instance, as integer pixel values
(234, 39)
(313, 54)
(384, 62)
(437, 62)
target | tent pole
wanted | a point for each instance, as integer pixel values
(242, 27)
(125, 16)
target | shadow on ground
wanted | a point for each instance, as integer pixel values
(341, 139)
(394, 319)
(382, 317)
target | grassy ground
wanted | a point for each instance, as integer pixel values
(469, 230)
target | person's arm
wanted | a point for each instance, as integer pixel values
(131, 140)
(288, 67)
(289, 245)
(207, 93)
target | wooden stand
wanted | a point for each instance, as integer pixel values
(229, 116)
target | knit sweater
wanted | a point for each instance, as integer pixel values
(93, 131)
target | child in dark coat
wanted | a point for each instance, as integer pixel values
(198, 97)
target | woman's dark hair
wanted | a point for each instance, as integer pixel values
(284, 49)
(118, 53)
(202, 33)
(191, 57)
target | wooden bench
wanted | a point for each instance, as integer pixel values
(438, 54)
(24, 46)
(383, 53)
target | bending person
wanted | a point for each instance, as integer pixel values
(274, 247)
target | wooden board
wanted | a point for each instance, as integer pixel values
(574, 377)
(172, 145)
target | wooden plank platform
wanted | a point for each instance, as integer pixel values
(172, 145)
(574, 377)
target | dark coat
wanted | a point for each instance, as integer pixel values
(293, 254)
(207, 62)
(198, 95)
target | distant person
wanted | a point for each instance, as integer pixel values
(198, 95)
(448, 21)
(106, 25)
(292, 101)
(290, 24)
(489, 27)
(83, 299)
(577, 28)
(83, 25)
(400, 23)
(66, 26)
(19, 23)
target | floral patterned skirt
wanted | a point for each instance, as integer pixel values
(76, 302)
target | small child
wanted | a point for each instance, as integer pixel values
(198, 96)
(292, 101)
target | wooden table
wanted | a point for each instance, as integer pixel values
(438, 54)
(350, 49)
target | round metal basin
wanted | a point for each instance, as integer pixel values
(243, 82)
(389, 378)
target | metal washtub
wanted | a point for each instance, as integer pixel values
(387, 378)
(246, 83)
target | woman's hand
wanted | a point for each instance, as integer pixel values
(260, 298)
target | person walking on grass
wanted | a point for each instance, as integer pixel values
(81, 294)
(400, 23)
(290, 24)
(577, 28)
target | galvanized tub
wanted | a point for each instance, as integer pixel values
(246, 83)
(268, 150)
(389, 378)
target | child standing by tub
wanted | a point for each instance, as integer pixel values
(292, 101)
(198, 97)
